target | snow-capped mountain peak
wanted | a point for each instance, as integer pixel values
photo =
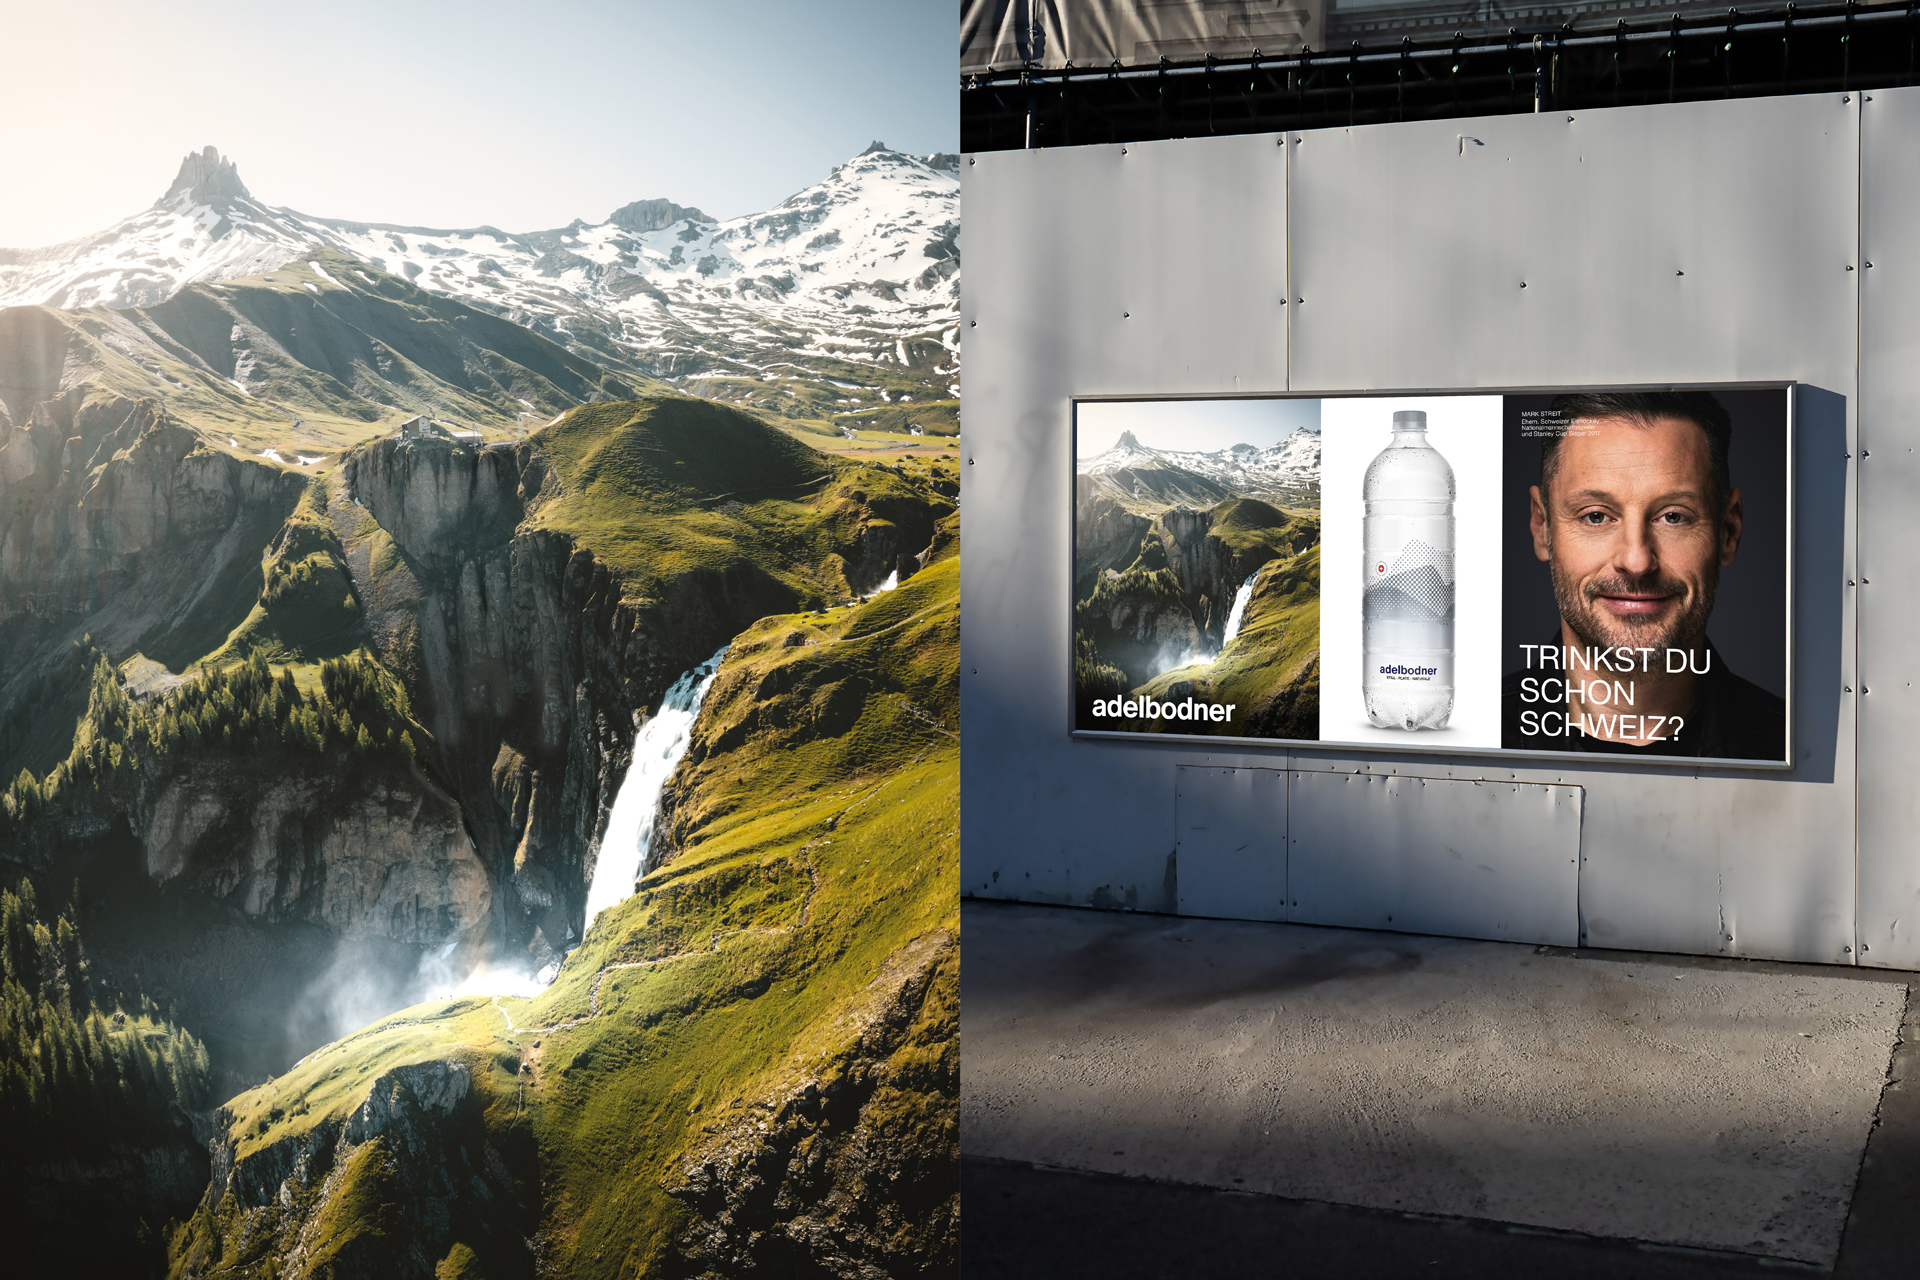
(205, 178)
(859, 268)
(1293, 465)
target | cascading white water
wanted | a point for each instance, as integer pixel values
(893, 580)
(1238, 613)
(1172, 660)
(656, 750)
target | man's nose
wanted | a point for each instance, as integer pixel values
(1635, 553)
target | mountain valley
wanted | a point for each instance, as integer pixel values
(315, 723)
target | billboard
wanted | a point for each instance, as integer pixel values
(1574, 571)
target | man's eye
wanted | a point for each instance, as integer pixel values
(1593, 517)
(1672, 517)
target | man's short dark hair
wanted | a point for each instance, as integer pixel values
(1702, 408)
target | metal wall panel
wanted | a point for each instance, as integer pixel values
(1690, 243)
(1481, 859)
(1230, 851)
(1889, 606)
(1190, 238)
(1696, 242)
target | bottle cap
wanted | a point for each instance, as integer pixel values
(1410, 420)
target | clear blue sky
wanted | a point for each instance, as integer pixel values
(524, 115)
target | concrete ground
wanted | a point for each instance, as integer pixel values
(1149, 1095)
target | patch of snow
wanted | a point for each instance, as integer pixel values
(322, 272)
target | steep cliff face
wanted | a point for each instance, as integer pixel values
(364, 852)
(117, 520)
(527, 655)
(1105, 534)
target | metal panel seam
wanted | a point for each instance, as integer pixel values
(1853, 477)
(1286, 252)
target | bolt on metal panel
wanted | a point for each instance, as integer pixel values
(1888, 466)
(1495, 860)
(1230, 858)
(1190, 239)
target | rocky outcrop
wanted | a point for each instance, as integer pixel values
(118, 521)
(853, 1170)
(1105, 534)
(360, 848)
(893, 533)
(654, 215)
(205, 178)
(1139, 622)
(324, 1201)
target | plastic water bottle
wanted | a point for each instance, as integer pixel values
(1407, 624)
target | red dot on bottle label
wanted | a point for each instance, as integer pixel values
(1382, 568)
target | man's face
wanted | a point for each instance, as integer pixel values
(1633, 534)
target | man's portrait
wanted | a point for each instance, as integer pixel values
(1635, 517)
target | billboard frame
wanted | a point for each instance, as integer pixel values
(1291, 745)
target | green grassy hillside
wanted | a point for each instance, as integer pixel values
(667, 485)
(752, 1062)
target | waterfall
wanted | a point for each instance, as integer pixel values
(893, 580)
(657, 748)
(1238, 613)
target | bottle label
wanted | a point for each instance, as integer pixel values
(1410, 668)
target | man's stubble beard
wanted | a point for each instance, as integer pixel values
(1584, 619)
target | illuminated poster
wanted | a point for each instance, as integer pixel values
(1592, 571)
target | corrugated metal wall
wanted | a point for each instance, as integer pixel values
(1701, 242)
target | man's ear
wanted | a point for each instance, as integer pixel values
(1730, 526)
(1542, 533)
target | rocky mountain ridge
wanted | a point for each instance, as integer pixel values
(855, 278)
(1288, 469)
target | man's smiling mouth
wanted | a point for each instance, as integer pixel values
(1635, 604)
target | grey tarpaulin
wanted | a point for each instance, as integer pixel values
(997, 35)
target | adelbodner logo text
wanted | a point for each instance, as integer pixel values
(1148, 709)
(1397, 670)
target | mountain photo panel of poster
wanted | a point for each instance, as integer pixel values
(1543, 572)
